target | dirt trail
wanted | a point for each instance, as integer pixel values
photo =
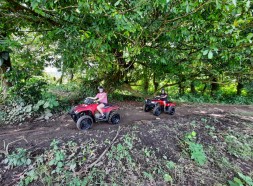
(212, 123)
(63, 128)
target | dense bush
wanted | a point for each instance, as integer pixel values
(217, 98)
(30, 90)
(28, 99)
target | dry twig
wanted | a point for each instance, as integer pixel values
(6, 151)
(86, 168)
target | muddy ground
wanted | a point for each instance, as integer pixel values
(159, 133)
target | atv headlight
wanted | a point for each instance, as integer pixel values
(147, 101)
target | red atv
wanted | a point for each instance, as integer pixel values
(157, 105)
(86, 114)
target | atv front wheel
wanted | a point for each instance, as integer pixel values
(157, 110)
(74, 117)
(114, 118)
(172, 110)
(84, 123)
(146, 108)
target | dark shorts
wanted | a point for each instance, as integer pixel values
(164, 99)
(105, 104)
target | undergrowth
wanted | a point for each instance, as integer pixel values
(219, 98)
(129, 160)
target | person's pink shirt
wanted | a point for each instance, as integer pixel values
(100, 95)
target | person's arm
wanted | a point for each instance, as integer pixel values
(93, 97)
(165, 96)
(102, 97)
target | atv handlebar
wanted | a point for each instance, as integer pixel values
(90, 100)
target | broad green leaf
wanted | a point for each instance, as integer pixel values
(234, 2)
(167, 178)
(210, 54)
(28, 108)
(48, 115)
(247, 179)
(170, 165)
(238, 181)
(193, 133)
(248, 4)
(187, 7)
(40, 102)
(46, 104)
(72, 166)
(231, 183)
(205, 52)
(28, 162)
(117, 3)
(250, 35)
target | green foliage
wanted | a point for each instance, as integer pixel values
(30, 90)
(196, 149)
(123, 97)
(129, 159)
(170, 165)
(62, 161)
(136, 43)
(2, 116)
(58, 158)
(219, 98)
(18, 158)
(167, 178)
(241, 181)
(18, 110)
(239, 146)
(197, 153)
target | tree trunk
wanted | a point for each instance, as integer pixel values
(181, 86)
(71, 75)
(128, 88)
(193, 90)
(155, 83)
(181, 89)
(214, 85)
(239, 87)
(146, 81)
(61, 79)
(62, 73)
(5, 67)
(204, 89)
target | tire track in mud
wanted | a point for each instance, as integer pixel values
(63, 126)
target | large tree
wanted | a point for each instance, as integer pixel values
(125, 42)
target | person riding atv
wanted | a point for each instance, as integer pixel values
(95, 109)
(102, 100)
(163, 97)
(159, 104)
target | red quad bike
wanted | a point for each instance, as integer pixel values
(86, 114)
(157, 105)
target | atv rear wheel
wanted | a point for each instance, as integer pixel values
(84, 123)
(114, 118)
(157, 110)
(172, 110)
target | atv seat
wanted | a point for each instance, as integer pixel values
(108, 105)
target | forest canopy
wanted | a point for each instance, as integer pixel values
(139, 46)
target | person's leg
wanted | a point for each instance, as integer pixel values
(164, 103)
(99, 108)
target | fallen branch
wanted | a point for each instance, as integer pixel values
(85, 169)
(6, 151)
